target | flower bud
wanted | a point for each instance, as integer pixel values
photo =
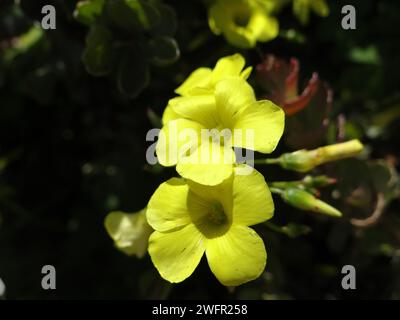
(318, 181)
(306, 160)
(130, 232)
(303, 200)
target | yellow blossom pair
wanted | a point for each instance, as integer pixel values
(221, 103)
(207, 211)
(243, 23)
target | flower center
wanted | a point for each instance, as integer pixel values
(220, 135)
(217, 214)
(242, 18)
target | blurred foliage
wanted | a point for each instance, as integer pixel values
(73, 147)
(125, 37)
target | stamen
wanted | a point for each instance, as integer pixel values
(217, 215)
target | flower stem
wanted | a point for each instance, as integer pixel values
(276, 190)
(274, 227)
(267, 161)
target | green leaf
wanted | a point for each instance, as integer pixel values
(122, 15)
(164, 51)
(133, 14)
(168, 24)
(368, 55)
(24, 43)
(86, 12)
(133, 73)
(147, 13)
(98, 54)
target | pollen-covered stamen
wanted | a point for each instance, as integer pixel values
(217, 214)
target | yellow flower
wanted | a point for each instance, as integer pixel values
(192, 219)
(203, 80)
(130, 232)
(301, 9)
(199, 140)
(243, 22)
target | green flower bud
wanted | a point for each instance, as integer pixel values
(301, 161)
(303, 200)
(306, 160)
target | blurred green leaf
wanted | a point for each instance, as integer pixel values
(24, 43)
(167, 23)
(164, 51)
(86, 12)
(133, 73)
(133, 14)
(98, 53)
(368, 55)
(122, 15)
(147, 13)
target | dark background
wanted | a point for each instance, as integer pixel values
(75, 150)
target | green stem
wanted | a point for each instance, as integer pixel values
(267, 161)
(274, 227)
(285, 184)
(276, 190)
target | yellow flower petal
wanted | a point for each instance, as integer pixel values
(176, 254)
(129, 231)
(301, 10)
(167, 208)
(169, 114)
(246, 73)
(240, 37)
(267, 122)
(232, 95)
(201, 109)
(177, 137)
(227, 67)
(221, 192)
(320, 7)
(199, 78)
(210, 164)
(236, 257)
(251, 189)
(263, 27)
(218, 17)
